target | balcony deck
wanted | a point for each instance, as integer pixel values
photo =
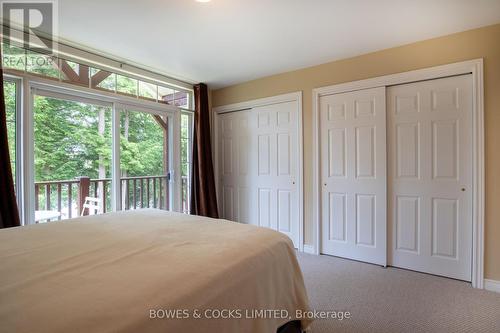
(65, 198)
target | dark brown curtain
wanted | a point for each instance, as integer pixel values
(203, 195)
(9, 215)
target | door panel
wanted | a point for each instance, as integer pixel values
(407, 223)
(337, 217)
(261, 161)
(430, 176)
(353, 163)
(264, 207)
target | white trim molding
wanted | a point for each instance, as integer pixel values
(290, 97)
(492, 285)
(309, 249)
(474, 67)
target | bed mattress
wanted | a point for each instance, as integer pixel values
(148, 271)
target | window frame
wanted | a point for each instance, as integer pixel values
(190, 115)
(27, 86)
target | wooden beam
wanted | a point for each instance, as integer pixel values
(160, 121)
(82, 77)
(67, 70)
(99, 77)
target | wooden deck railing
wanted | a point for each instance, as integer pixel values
(68, 196)
(58, 187)
(145, 192)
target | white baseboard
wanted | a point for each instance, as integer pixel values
(309, 249)
(492, 285)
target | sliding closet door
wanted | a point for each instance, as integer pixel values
(353, 175)
(258, 166)
(235, 167)
(275, 140)
(430, 172)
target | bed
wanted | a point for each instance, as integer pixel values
(149, 271)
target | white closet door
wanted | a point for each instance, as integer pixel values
(353, 175)
(258, 167)
(430, 189)
(236, 168)
(228, 165)
(277, 157)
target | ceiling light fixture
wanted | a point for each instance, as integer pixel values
(202, 0)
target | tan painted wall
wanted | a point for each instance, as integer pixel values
(479, 43)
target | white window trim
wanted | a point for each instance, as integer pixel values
(475, 67)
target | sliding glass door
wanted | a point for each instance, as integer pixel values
(145, 160)
(72, 157)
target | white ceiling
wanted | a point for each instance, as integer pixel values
(224, 42)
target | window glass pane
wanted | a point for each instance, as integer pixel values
(72, 151)
(75, 73)
(75, 66)
(181, 99)
(143, 161)
(126, 85)
(184, 155)
(148, 90)
(42, 64)
(13, 57)
(186, 144)
(106, 83)
(184, 126)
(166, 95)
(9, 89)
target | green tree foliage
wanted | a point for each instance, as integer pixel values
(142, 150)
(67, 141)
(10, 106)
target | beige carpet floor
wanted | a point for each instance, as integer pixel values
(395, 300)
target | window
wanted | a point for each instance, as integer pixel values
(148, 91)
(42, 65)
(186, 158)
(113, 145)
(144, 160)
(13, 57)
(103, 80)
(72, 157)
(126, 85)
(10, 92)
(65, 70)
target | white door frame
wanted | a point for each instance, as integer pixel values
(291, 97)
(474, 67)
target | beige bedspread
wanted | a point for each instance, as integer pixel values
(105, 273)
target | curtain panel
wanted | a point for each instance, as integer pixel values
(203, 193)
(9, 214)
